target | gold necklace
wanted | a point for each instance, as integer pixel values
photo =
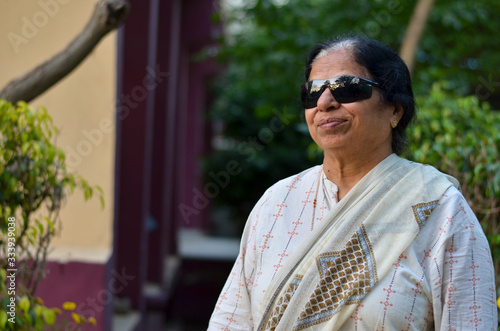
(316, 199)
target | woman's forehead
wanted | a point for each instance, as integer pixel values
(336, 63)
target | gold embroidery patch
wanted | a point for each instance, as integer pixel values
(346, 277)
(422, 211)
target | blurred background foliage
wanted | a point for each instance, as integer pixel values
(256, 115)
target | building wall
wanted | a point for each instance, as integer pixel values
(82, 107)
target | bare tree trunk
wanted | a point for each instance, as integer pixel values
(107, 16)
(415, 31)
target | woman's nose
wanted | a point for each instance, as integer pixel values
(326, 101)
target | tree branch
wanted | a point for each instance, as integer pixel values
(415, 31)
(107, 16)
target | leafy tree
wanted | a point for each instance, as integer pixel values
(460, 47)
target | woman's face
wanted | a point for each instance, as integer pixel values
(356, 128)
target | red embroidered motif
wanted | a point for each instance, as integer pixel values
(389, 290)
(355, 316)
(474, 307)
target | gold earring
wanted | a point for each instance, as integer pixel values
(394, 124)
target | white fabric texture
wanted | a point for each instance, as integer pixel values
(443, 280)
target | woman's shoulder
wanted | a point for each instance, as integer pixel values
(452, 216)
(290, 189)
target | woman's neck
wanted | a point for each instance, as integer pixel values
(346, 172)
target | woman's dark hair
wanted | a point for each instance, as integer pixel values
(385, 67)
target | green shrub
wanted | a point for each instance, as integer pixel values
(34, 183)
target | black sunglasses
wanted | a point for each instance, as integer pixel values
(344, 89)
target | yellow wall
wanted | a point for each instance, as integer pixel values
(81, 105)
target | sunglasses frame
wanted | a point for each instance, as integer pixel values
(336, 84)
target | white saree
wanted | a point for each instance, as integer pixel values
(395, 253)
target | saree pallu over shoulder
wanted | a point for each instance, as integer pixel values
(360, 239)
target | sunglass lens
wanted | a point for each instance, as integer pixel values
(352, 91)
(310, 93)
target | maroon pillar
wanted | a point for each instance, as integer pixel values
(198, 33)
(137, 78)
(184, 29)
(162, 234)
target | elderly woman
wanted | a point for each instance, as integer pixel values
(368, 240)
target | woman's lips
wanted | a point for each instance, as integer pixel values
(329, 123)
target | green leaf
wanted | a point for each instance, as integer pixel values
(50, 223)
(3, 275)
(38, 310)
(34, 231)
(49, 316)
(40, 226)
(24, 304)
(26, 145)
(3, 319)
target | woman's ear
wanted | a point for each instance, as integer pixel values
(398, 112)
